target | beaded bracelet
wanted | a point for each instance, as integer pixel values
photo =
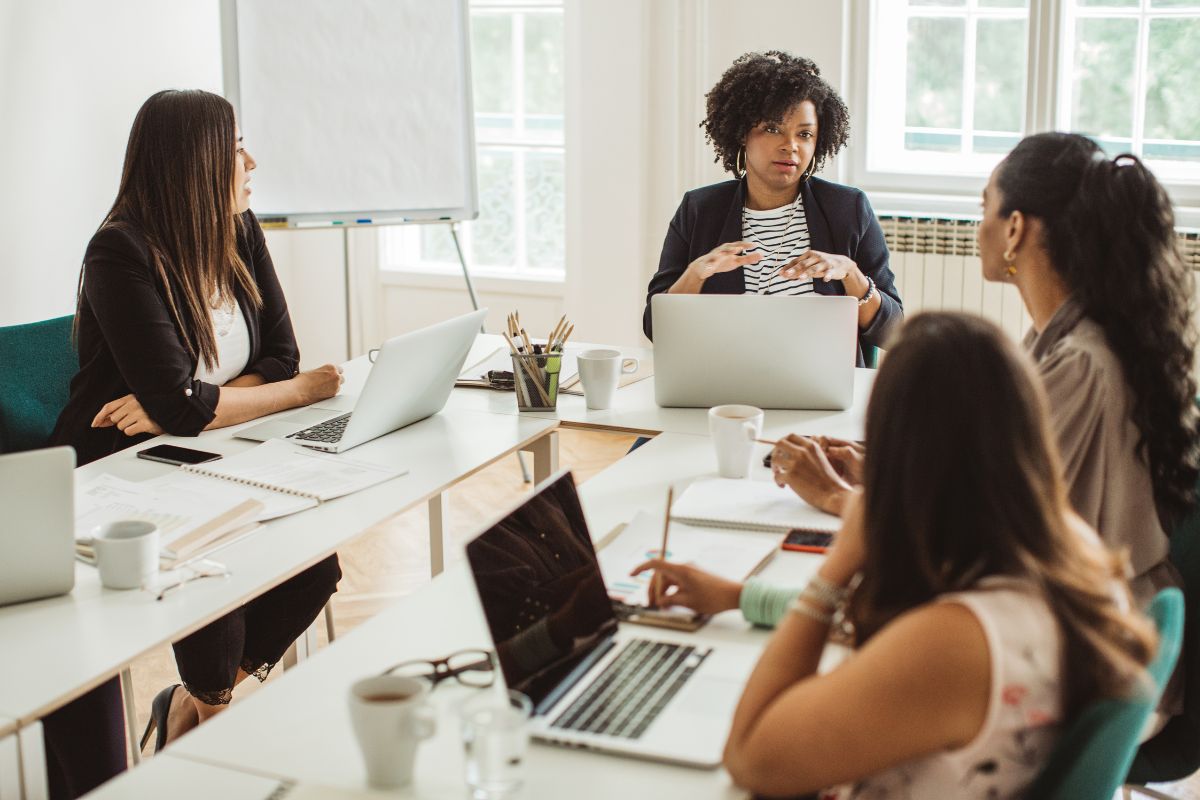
(866, 298)
(824, 593)
(798, 606)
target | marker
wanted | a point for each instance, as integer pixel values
(362, 222)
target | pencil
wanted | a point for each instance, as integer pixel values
(662, 553)
(766, 441)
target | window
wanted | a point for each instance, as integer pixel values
(951, 88)
(517, 70)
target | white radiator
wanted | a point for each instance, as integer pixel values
(936, 262)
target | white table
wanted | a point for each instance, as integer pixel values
(300, 730)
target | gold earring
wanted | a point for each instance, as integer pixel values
(739, 162)
(1010, 259)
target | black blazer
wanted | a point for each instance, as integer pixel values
(840, 220)
(129, 343)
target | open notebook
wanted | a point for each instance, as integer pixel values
(749, 505)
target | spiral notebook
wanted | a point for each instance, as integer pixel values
(749, 505)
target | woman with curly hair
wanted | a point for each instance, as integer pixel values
(776, 229)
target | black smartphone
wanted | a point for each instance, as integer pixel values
(808, 541)
(172, 454)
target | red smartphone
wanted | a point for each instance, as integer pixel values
(807, 541)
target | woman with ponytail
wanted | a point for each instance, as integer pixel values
(1090, 244)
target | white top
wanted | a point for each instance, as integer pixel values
(233, 345)
(781, 234)
(1022, 724)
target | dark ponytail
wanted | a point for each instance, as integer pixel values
(1110, 233)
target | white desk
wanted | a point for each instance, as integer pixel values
(634, 409)
(72, 643)
(300, 730)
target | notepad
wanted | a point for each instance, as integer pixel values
(749, 505)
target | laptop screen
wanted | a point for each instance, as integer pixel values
(541, 589)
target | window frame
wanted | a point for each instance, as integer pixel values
(406, 240)
(1046, 82)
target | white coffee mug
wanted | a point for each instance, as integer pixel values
(733, 429)
(600, 373)
(391, 716)
(126, 552)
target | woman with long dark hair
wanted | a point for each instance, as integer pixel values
(776, 229)
(985, 614)
(182, 327)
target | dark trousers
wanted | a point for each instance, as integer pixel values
(255, 636)
(85, 741)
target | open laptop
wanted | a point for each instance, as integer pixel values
(410, 380)
(770, 352)
(592, 683)
(37, 539)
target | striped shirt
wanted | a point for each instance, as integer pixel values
(781, 234)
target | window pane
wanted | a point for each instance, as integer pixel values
(930, 140)
(493, 235)
(544, 64)
(1175, 4)
(1172, 111)
(985, 143)
(1105, 65)
(544, 218)
(1109, 3)
(1000, 54)
(491, 70)
(956, 3)
(437, 244)
(935, 69)
(1004, 3)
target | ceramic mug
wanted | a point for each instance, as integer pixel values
(126, 552)
(390, 715)
(600, 373)
(733, 429)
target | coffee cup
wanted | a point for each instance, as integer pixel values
(126, 552)
(733, 429)
(390, 715)
(600, 373)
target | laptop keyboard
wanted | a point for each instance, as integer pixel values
(329, 431)
(632, 690)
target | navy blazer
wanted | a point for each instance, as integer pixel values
(840, 220)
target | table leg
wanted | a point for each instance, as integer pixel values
(131, 726)
(33, 762)
(438, 510)
(545, 456)
(10, 767)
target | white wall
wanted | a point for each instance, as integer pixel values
(72, 76)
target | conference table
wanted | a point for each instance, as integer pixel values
(61, 647)
(294, 738)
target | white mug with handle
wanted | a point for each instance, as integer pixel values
(391, 716)
(600, 373)
(733, 429)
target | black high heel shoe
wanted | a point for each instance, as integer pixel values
(160, 709)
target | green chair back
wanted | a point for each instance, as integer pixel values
(1092, 758)
(37, 362)
(1174, 752)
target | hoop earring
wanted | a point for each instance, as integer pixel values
(1010, 260)
(808, 173)
(739, 163)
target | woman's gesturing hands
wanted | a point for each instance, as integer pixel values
(724, 258)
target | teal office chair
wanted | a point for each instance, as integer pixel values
(37, 362)
(1174, 753)
(1092, 759)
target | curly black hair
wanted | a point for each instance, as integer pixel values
(1110, 232)
(761, 87)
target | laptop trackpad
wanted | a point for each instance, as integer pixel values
(279, 428)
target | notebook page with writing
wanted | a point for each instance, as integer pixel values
(749, 505)
(284, 467)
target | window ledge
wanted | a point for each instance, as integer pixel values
(490, 284)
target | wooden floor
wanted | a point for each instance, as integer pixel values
(392, 559)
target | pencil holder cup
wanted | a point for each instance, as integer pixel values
(536, 378)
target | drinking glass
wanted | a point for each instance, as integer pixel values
(495, 731)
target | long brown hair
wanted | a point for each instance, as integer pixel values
(177, 191)
(962, 482)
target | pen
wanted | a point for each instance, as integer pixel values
(766, 441)
(662, 553)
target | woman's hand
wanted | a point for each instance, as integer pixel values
(801, 464)
(318, 384)
(846, 457)
(845, 559)
(127, 414)
(684, 585)
(819, 266)
(724, 258)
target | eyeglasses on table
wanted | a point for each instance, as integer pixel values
(475, 668)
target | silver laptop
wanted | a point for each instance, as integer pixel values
(410, 380)
(37, 539)
(770, 352)
(594, 684)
